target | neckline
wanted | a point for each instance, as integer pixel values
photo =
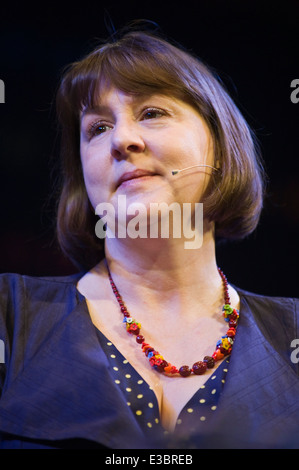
(187, 407)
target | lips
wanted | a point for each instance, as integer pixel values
(130, 175)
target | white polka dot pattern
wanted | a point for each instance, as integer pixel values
(141, 400)
(204, 403)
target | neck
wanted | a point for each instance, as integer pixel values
(165, 267)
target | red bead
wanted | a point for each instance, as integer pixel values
(224, 351)
(231, 332)
(140, 339)
(217, 355)
(160, 364)
(184, 371)
(135, 331)
(209, 361)
(156, 353)
(199, 367)
(234, 315)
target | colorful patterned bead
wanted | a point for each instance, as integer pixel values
(231, 332)
(217, 355)
(145, 346)
(184, 371)
(134, 329)
(225, 343)
(170, 369)
(199, 367)
(148, 350)
(152, 361)
(234, 315)
(158, 356)
(160, 364)
(209, 361)
(140, 339)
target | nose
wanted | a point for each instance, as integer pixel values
(126, 139)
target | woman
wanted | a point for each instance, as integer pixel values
(144, 348)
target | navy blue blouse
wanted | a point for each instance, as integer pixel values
(63, 386)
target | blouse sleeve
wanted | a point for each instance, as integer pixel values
(30, 307)
(6, 324)
(13, 329)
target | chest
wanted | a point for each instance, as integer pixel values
(172, 392)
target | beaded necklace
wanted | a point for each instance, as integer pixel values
(157, 361)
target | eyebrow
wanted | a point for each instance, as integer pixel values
(102, 108)
(93, 110)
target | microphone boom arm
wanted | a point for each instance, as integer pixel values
(175, 172)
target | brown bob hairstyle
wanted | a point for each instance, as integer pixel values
(142, 62)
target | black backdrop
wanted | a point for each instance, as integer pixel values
(254, 47)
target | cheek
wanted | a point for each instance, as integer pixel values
(95, 173)
(188, 147)
(195, 149)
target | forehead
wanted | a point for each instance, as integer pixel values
(104, 96)
(95, 88)
(110, 97)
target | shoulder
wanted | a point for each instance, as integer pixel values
(273, 305)
(276, 317)
(16, 277)
(31, 310)
(26, 299)
(12, 284)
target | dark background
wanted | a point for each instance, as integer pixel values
(254, 48)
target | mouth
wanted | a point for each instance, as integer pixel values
(132, 176)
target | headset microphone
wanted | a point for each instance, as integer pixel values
(175, 172)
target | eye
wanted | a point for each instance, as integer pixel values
(97, 128)
(152, 113)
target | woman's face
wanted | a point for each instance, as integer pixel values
(130, 144)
